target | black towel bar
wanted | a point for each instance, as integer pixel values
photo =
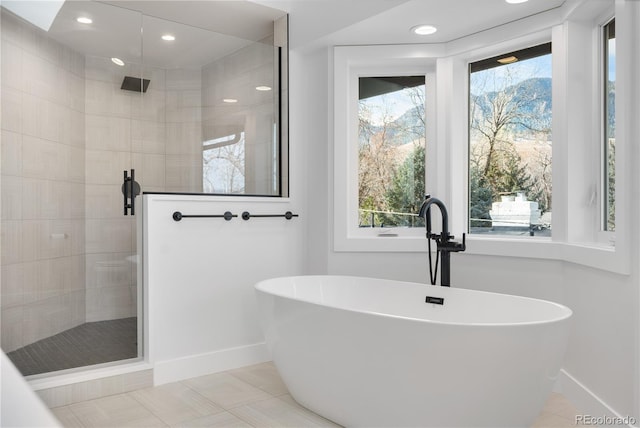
(288, 215)
(177, 216)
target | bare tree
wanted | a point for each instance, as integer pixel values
(511, 110)
(376, 157)
(223, 168)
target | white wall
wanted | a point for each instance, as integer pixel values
(202, 315)
(600, 373)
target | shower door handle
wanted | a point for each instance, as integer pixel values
(130, 189)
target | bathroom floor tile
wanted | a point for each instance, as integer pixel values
(220, 420)
(175, 403)
(560, 406)
(252, 396)
(226, 390)
(557, 412)
(263, 376)
(551, 420)
(277, 413)
(115, 411)
(66, 417)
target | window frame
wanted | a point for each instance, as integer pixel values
(530, 51)
(351, 63)
(576, 152)
(604, 236)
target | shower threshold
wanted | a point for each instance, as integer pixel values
(85, 345)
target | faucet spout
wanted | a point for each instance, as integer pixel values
(425, 211)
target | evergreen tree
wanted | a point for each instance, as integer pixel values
(407, 188)
(480, 198)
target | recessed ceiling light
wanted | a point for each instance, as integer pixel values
(263, 88)
(516, 1)
(229, 100)
(424, 30)
(168, 37)
(508, 60)
(118, 61)
(84, 20)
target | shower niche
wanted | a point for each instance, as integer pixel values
(188, 109)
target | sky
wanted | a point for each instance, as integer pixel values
(494, 78)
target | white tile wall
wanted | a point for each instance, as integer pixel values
(12, 278)
(110, 128)
(11, 64)
(11, 109)
(104, 200)
(12, 29)
(12, 328)
(107, 99)
(150, 105)
(184, 138)
(110, 270)
(44, 158)
(11, 153)
(40, 118)
(11, 190)
(43, 168)
(109, 235)
(105, 167)
(184, 173)
(150, 169)
(148, 136)
(11, 235)
(108, 133)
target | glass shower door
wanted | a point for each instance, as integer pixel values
(68, 265)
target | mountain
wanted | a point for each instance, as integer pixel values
(403, 130)
(532, 98)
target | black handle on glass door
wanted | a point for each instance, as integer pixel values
(130, 189)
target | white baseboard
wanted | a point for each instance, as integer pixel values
(211, 362)
(589, 404)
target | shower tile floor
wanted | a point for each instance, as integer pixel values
(87, 344)
(252, 396)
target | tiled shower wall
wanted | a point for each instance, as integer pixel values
(184, 131)
(110, 242)
(68, 133)
(43, 200)
(157, 133)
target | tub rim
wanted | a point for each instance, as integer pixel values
(566, 311)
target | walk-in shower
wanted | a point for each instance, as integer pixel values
(100, 90)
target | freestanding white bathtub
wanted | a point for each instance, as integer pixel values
(368, 352)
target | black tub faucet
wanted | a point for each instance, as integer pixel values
(444, 243)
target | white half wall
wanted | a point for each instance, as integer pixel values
(199, 274)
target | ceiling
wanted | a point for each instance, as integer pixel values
(389, 21)
(134, 37)
(209, 29)
(453, 19)
(131, 30)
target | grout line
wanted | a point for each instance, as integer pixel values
(76, 416)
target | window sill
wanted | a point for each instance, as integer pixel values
(594, 255)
